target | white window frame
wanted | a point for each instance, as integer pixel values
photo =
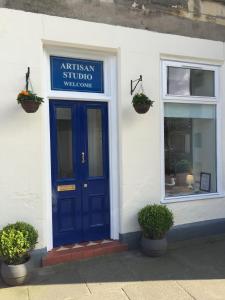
(178, 98)
(216, 100)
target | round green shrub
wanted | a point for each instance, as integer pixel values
(155, 220)
(16, 241)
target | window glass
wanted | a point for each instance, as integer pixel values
(95, 159)
(64, 142)
(190, 149)
(178, 81)
(202, 83)
(190, 82)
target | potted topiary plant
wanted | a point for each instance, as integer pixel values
(141, 103)
(29, 101)
(16, 242)
(155, 220)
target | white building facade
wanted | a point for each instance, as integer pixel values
(173, 154)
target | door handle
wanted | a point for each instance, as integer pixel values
(82, 157)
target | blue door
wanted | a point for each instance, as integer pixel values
(80, 171)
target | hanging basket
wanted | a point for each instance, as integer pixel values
(30, 106)
(141, 103)
(29, 101)
(141, 108)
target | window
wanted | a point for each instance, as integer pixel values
(190, 82)
(190, 130)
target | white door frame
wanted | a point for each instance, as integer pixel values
(109, 96)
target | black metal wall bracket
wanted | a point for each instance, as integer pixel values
(132, 89)
(27, 78)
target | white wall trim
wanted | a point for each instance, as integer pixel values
(192, 100)
(193, 198)
(109, 96)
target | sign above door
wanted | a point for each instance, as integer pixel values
(76, 75)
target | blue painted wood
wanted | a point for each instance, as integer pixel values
(75, 74)
(83, 214)
(96, 196)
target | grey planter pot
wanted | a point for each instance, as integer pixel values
(154, 247)
(16, 274)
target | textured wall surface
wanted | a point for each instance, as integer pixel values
(196, 18)
(24, 153)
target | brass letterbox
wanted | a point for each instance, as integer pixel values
(66, 187)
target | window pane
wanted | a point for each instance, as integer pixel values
(190, 148)
(64, 143)
(95, 159)
(178, 81)
(202, 83)
(190, 82)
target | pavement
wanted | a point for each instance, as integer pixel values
(193, 271)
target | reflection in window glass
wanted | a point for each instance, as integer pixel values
(95, 160)
(64, 143)
(202, 83)
(190, 148)
(178, 81)
(190, 82)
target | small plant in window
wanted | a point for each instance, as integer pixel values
(141, 103)
(183, 166)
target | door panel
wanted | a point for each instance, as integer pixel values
(80, 174)
(96, 195)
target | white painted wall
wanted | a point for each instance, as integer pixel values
(23, 137)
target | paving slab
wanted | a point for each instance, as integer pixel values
(158, 268)
(205, 289)
(187, 273)
(57, 292)
(14, 293)
(105, 295)
(57, 284)
(207, 261)
(105, 273)
(158, 290)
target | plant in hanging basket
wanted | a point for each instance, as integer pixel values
(141, 103)
(29, 101)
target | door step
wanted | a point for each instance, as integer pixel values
(82, 251)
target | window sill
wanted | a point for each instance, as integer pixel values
(192, 198)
